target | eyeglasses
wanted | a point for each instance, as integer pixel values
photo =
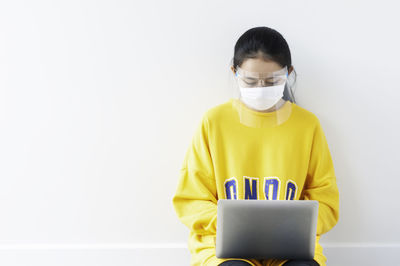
(253, 82)
(252, 79)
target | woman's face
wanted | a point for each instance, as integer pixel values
(260, 65)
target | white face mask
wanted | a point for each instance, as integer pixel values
(262, 98)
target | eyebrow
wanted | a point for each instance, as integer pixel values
(256, 78)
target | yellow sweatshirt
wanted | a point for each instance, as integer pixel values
(228, 160)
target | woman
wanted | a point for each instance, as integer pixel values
(260, 146)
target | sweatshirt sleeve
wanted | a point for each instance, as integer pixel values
(321, 182)
(195, 199)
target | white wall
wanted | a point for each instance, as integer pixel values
(99, 100)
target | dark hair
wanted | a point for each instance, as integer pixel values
(268, 44)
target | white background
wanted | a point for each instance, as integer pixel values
(99, 101)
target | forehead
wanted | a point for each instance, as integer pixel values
(260, 65)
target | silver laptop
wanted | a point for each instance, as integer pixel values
(262, 229)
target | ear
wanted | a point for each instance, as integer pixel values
(290, 70)
(233, 70)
